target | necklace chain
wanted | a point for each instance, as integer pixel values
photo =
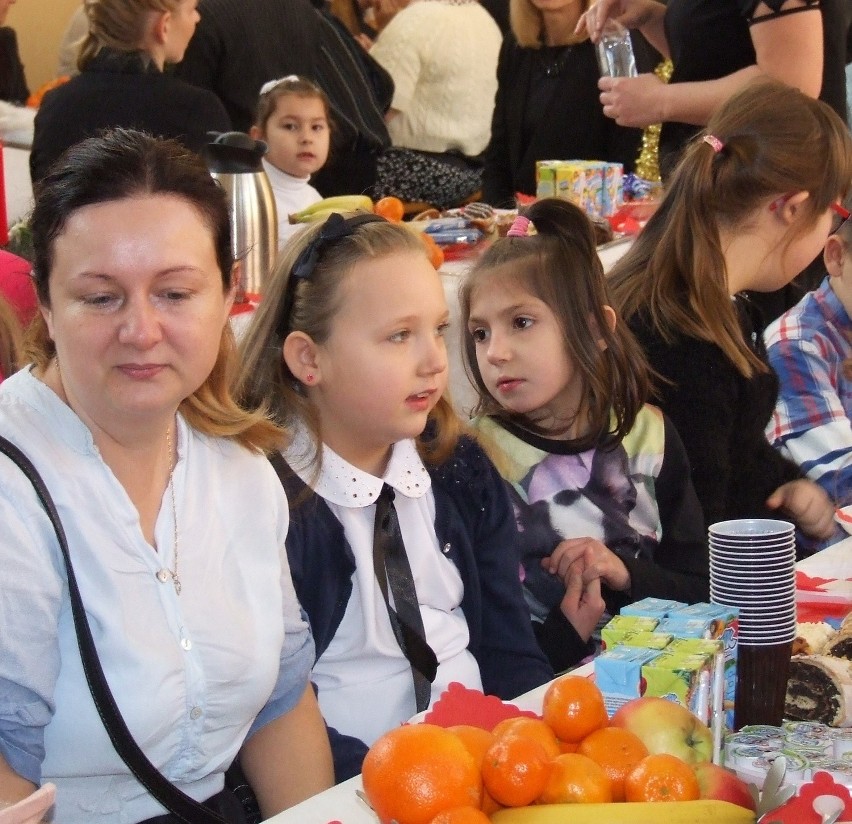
(173, 572)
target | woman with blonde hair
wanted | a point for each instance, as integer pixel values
(122, 81)
(547, 104)
(175, 521)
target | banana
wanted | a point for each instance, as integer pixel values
(629, 812)
(340, 203)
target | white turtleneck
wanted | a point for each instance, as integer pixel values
(292, 194)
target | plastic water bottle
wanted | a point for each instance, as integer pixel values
(615, 51)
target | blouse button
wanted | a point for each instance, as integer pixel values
(195, 713)
(186, 644)
(163, 576)
(446, 548)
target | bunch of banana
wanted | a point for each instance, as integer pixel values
(629, 812)
(340, 203)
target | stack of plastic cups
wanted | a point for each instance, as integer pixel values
(753, 568)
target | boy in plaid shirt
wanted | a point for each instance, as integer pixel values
(810, 348)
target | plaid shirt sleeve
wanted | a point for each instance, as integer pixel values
(810, 423)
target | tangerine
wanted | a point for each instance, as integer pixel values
(576, 779)
(476, 739)
(416, 771)
(661, 777)
(529, 727)
(573, 708)
(515, 770)
(390, 208)
(433, 251)
(461, 815)
(617, 751)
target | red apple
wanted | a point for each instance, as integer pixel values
(722, 785)
(666, 726)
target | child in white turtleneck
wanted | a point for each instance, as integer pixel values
(293, 119)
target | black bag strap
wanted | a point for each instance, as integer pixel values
(177, 802)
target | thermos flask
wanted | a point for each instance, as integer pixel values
(233, 158)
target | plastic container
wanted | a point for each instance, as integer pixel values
(615, 51)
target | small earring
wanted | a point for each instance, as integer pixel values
(309, 378)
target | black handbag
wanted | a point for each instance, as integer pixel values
(182, 807)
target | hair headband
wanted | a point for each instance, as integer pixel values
(714, 142)
(273, 84)
(335, 228)
(520, 227)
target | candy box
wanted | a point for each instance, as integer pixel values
(618, 674)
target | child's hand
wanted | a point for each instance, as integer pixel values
(582, 603)
(808, 505)
(600, 562)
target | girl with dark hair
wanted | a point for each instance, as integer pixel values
(751, 202)
(598, 478)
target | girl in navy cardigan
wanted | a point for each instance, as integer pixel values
(347, 351)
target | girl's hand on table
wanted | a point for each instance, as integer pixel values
(808, 505)
(582, 603)
(633, 101)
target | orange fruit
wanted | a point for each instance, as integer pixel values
(515, 770)
(565, 746)
(573, 708)
(617, 751)
(461, 815)
(489, 806)
(529, 728)
(390, 208)
(576, 779)
(661, 777)
(475, 739)
(433, 251)
(416, 771)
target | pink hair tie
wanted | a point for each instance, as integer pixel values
(714, 142)
(520, 227)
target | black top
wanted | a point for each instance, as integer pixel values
(709, 39)
(721, 417)
(119, 89)
(13, 84)
(239, 45)
(547, 108)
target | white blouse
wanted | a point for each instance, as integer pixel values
(190, 673)
(364, 680)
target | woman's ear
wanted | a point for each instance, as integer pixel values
(833, 255)
(300, 354)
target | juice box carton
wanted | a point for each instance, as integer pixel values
(685, 626)
(724, 625)
(618, 674)
(545, 174)
(619, 625)
(613, 189)
(646, 639)
(685, 677)
(654, 607)
(591, 194)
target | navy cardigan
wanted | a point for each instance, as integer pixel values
(475, 527)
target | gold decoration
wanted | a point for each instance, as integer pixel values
(647, 164)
